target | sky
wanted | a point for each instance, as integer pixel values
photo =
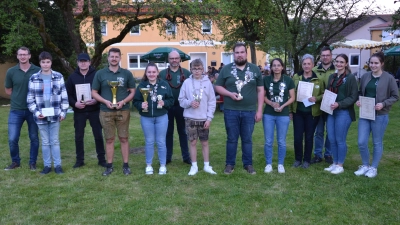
(387, 6)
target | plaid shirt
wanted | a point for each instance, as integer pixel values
(58, 99)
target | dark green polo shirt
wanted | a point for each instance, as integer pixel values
(175, 81)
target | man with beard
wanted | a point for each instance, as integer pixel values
(175, 75)
(114, 117)
(241, 82)
(325, 69)
(85, 109)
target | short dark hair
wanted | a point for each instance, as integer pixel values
(45, 55)
(326, 48)
(24, 49)
(117, 50)
(196, 62)
(239, 44)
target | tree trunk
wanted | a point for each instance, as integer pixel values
(296, 63)
(253, 53)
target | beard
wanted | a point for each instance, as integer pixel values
(240, 62)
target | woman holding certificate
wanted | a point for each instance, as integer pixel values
(380, 87)
(279, 89)
(305, 110)
(344, 85)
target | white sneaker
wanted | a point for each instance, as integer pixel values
(362, 170)
(268, 169)
(337, 170)
(193, 170)
(163, 170)
(372, 172)
(208, 169)
(330, 168)
(281, 169)
(149, 170)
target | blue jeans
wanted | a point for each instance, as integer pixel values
(15, 120)
(319, 138)
(377, 127)
(50, 143)
(303, 128)
(176, 112)
(338, 125)
(239, 123)
(155, 129)
(282, 125)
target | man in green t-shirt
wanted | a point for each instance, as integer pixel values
(241, 83)
(16, 85)
(174, 75)
(114, 117)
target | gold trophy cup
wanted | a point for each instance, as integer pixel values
(145, 93)
(114, 87)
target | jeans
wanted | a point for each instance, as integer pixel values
(177, 112)
(377, 127)
(50, 143)
(338, 125)
(282, 125)
(304, 125)
(80, 124)
(319, 138)
(155, 129)
(239, 123)
(15, 120)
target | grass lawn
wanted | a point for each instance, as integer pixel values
(83, 196)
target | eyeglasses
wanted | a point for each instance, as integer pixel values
(197, 69)
(176, 59)
(325, 56)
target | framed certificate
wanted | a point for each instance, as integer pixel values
(83, 92)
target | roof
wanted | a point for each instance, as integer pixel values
(357, 25)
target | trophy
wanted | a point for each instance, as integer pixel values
(239, 85)
(145, 93)
(114, 87)
(159, 97)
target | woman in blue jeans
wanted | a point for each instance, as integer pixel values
(154, 118)
(279, 94)
(381, 86)
(344, 84)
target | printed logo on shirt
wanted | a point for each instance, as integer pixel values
(121, 81)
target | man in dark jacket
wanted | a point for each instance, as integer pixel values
(85, 108)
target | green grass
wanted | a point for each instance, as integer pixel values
(312, 196)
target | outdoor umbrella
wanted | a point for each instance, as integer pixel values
(160, 55)
(393, 51)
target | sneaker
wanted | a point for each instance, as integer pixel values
(296, 164)
(229, 169)
(250, 169)
(58, 170)
(305, 165)
(32, 167)
(108, 171)
(102, 164)
(268, 169)
(372, 172)
(316, 159)
(330, 168)
(162, 170)
(337, 170)
(78, 164)
(126, 171)
(208, 169)
(12, 166)
(149, 170)
(362, 170)
(328, 159)
(281, 169)
(193, 170)
(46, 170)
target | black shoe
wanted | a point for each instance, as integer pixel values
(58, 170)
(229, 169)
(305, 165)
(250, 169)
(78, 164)
(168, 161)
(188, 161)
(108, 171)
(12, 166)
(126, 170)
(102, 164)
(46, 170)
(316, 159)
(296, 164)
(32, 167)
(328, 159)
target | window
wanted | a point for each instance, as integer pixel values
(206, 26)
(136, 63)
(354, 59)
(103, 25)
(135, 29)
(170, 28)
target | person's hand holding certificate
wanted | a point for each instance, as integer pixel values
(48, 111)
(304, 90)
(367, 108)
(327, 100)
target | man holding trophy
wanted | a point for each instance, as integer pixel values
(242, 84)
(114, 87)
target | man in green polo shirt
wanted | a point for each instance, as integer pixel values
(16, 85)
(114, 117)
(241, 83)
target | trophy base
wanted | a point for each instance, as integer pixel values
(240, 97)
(159, 107)
(145, 110)
(114, 105)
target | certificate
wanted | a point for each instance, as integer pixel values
(327, 100)
(83, 92)
(367, 108)
(304, 90)
(48, 111)
(307, 103)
